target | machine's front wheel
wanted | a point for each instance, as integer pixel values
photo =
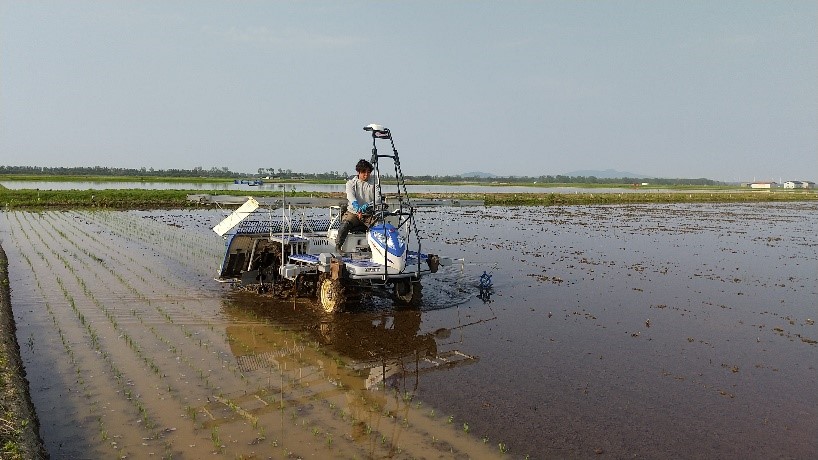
(331, 294)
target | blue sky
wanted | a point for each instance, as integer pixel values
(726, 90)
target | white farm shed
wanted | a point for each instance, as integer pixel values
(762, 185)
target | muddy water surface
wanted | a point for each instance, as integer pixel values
(642, 330)
(683, 330)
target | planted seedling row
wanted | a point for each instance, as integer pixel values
(185, 247)
(130, 272)
(146, 392)
(81, 341)
(202, 374)
(173, 343)
(90, 268)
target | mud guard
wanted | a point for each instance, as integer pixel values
(337, 268)
(434, 262)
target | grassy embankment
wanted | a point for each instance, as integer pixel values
(143, 199)
(658, 196)
(153, 179)
(146, 179)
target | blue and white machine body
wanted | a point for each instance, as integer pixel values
(388, 247)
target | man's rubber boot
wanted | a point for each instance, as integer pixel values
(342, 235)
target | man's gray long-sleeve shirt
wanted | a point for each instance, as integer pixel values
(360, 191)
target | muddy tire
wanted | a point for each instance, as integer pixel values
(407, 292)
(331, 294)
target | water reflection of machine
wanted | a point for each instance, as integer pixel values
(326, 384)
(382, 348)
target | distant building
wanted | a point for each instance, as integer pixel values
(799, 184)
(766, 185)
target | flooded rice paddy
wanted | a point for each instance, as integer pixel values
(611, 331)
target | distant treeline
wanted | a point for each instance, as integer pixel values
(225, 172)
(560, 179)
(102, 171)
(214, 172)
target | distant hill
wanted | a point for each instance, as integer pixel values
(606, 174)
(481, 175)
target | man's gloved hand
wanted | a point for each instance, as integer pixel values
(365, 207)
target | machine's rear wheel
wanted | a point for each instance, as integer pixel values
(331, 294)
(408, 291)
